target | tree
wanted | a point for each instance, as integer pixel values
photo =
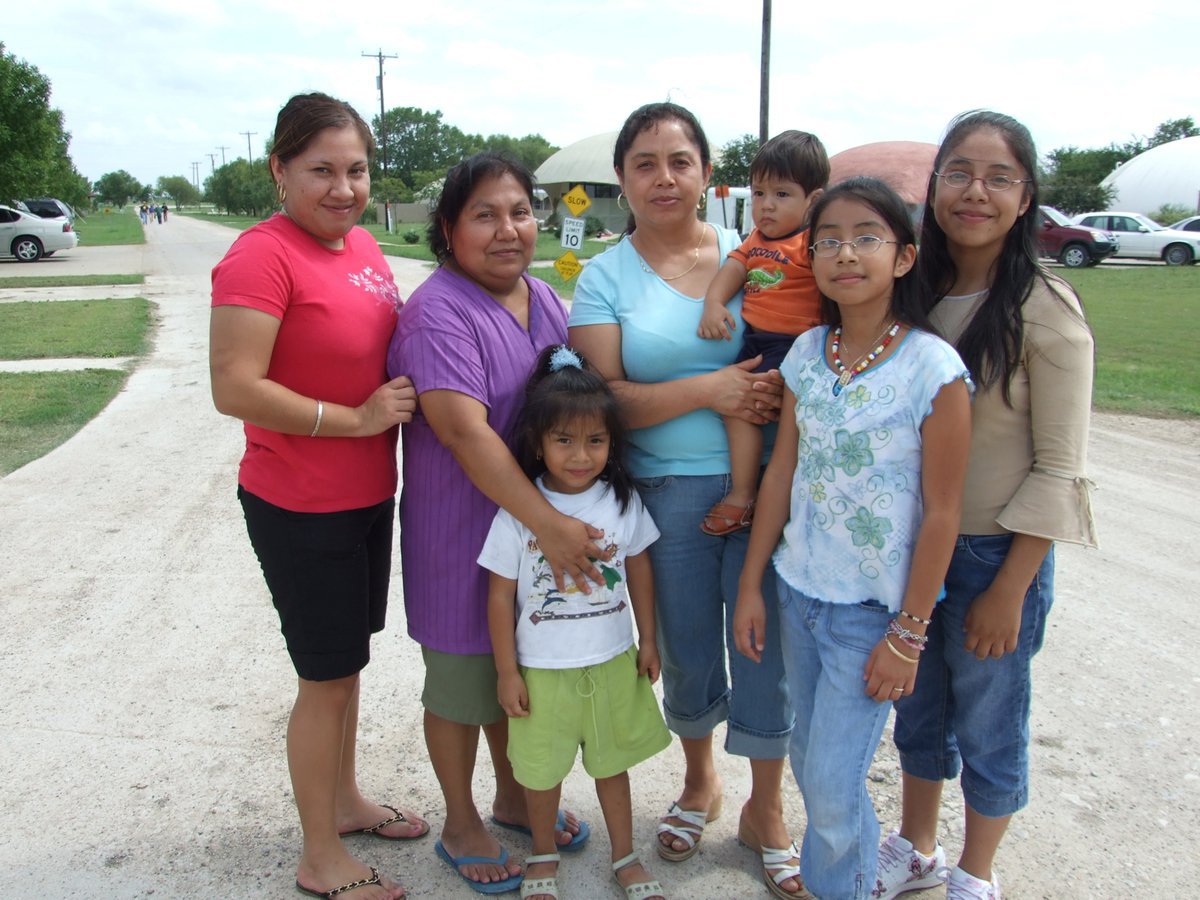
(532, 150)
(732, 166)
(242, 188)
(1074, 195)
(420, 141)
(119, 187)
(179, 189)
(1173, 130)
(34, 158)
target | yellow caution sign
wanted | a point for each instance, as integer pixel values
(577, 200)
(568, 265)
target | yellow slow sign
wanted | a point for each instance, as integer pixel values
(577, 200)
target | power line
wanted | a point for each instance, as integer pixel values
(223, 149)
(381, 56)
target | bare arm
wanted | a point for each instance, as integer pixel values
(510, 686)
(729, 391)
(241, 341)
(716, 321)
(641, 597)
(946, 442)
(460, 423)
(994, 620)
(771, 514)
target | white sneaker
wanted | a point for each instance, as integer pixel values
(965, 886)
(902, 868)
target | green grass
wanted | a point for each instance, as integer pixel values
(1146, 320)
(77, 328)
(40, 410)
(35, 281)
(103, 229)
(548, 246)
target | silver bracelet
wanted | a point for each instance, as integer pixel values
(317, 424)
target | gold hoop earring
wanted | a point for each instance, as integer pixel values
(621, 196)
(280, 192)
(702, 202)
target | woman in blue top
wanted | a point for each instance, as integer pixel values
(635, 316)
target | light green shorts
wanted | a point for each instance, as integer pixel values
(607, 709)
(461, 688)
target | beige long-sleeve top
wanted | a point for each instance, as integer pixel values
(1028, 466)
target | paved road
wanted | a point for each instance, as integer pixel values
(146, 688)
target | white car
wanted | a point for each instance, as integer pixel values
(1144, 238)
(1191, 223)
(29, 237)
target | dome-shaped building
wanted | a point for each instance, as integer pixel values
(1168, 173)
(588, 162)
(904, 165)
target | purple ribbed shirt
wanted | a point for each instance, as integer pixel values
(452, 336)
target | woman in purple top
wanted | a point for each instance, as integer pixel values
(468, 337)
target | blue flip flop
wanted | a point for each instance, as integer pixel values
(560, 824)
(512, 883)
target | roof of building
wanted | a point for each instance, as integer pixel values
(904, 165)
(588, 160)
(1168, 173)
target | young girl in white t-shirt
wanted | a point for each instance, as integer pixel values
(858, 511)
(570, 672)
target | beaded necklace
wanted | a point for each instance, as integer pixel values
(844, 374)
(695, 259)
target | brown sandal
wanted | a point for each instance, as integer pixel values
(725, 518)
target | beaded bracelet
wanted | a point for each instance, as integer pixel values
(317, 424)
(908, 638)
(903, 656)
(917, 619)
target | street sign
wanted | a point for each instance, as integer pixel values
(572, 233)
(577, 200)
(568, 266)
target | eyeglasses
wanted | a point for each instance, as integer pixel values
(994, 183)
(864, 244)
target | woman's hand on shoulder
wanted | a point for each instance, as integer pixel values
(391, 404)
(571, 550)
(741, 392)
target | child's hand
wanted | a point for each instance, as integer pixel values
(511, 692)
(993, 623)
(647, 660)
(716, 323)
(889, 677)
(750, 624)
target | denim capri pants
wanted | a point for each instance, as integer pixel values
(695, 591)
(972, 715)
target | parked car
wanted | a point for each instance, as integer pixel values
(1191, 223)
(1143, 238)
(1073, 245)
(50, 208)
(29, 237)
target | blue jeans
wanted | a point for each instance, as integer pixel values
(838, 727)
(695, 590)
(972, 714)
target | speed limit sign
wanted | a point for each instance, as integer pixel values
(572, 233)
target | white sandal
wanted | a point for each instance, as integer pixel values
(690, 832)
(546, 885)
(778, 868)
(642, 890)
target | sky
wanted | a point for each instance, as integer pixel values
(153, 87)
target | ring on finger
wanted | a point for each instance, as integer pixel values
(898, 690)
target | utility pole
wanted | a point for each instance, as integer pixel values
(223, 149)
(387, 209)
(196, 175)
(249, 152)
(764, 77)
(212, 157)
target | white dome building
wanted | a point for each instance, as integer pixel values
(1168, 173)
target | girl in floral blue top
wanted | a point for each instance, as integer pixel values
(858, 511)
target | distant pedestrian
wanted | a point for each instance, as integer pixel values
(144, 213)
(166, 204)
(158, 213)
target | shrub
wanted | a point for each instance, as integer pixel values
(1170, 212)
(593, 225)
(412, 236)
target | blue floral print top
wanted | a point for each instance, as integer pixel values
(856, 494)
